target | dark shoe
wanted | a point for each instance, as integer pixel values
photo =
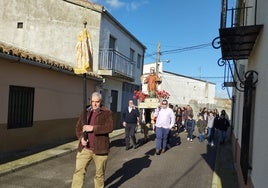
(157, 152)
(135, 146)
(163, 151)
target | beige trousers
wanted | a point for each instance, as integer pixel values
(83, 159)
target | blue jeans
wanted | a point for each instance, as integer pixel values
(222, 136)
(190, 133)
(201, 136)
(161, 138)
(211, 132)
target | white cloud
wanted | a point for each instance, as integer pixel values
(115, 3)
(133, 6)
(129, 6)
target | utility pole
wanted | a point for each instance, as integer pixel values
(158, 53)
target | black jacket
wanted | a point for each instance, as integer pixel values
(132, 116)
(223, 124)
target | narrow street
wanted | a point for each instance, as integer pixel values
(185, 164)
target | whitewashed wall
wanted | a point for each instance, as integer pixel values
(183, 89)
(50, 28)
(258, 62)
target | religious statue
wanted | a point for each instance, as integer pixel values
(152, 81)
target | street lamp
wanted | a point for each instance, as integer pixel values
(157, 65)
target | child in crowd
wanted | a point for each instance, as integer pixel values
(190, 126)
(201, 125)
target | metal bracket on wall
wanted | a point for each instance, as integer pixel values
(231, 70)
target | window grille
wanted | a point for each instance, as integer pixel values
(20, 107)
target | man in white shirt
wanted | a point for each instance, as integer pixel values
(165, 120)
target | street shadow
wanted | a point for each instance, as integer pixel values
(129, 169)
(12, 156)
(225, 165)
(120, 142)
(180, 129)
(174, 139)
(210, 156)
(143, 141)
(117, 143)
(151, 152)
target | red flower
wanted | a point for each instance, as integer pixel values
(139, 95)
(162, 94)
(142, 96)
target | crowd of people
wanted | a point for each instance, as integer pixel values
(206, 126)
(210, 124)
(96, 122)
(206, 122)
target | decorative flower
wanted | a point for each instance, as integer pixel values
(142, 96)
(162, 94)
(139, 95)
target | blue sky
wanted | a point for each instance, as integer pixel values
(176, 25)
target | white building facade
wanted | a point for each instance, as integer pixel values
(247, 37)
(183, 90)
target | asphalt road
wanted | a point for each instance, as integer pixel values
(185, 164)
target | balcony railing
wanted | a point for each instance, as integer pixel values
(237, 40)
(234, 17)
(113, 63)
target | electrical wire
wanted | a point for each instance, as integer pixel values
(179, 50)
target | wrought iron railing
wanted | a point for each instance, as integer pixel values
(110, 59)
(232, 74)
(234, 17)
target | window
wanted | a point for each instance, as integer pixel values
(111, 56)
(132, 52)
(112, 42)
(139, 61)
(20, 25)
(20, 107)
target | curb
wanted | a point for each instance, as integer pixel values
(45, 155)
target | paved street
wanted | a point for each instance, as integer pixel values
(185, 164)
